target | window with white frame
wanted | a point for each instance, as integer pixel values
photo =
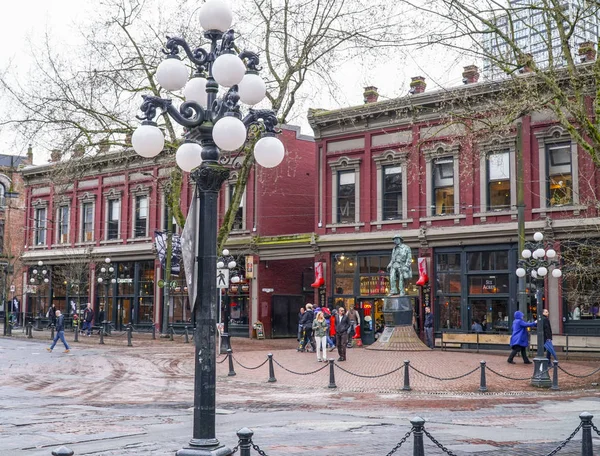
(560, 177)
(87, 222)
(63, 224)
(392, 192)
(40, 226)
(238, 219)
(498, 181)
(141, 216)
(113, 216)
(443, 185)
(346, 196)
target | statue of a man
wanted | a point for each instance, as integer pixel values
(399, 267)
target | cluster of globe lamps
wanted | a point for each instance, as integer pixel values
(228, 70)
(539, 254)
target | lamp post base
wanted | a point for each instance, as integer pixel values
(541, 377)
(210, 447)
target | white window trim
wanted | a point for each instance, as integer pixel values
(390, 158)
(340, 165)
(39, 204)
(112, 195)
(233, 177)
(86, 198)
(553, 135)
(440, 150)
(59, 208)
(496, 144)
(139, 191)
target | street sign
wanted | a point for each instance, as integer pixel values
(222, 278)
(12, 288)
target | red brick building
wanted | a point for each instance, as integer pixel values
(86, 210)
(407, 166)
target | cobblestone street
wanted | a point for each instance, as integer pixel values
(114, 399)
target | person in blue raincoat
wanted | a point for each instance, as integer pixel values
(520, 338)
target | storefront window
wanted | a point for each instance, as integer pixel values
(344, 285)
(581, 290)
(146, 309)
(488, 261)
(125, 276)
(344, 264)
(448, 262)
(181, 311)
(448, 283)
(488, 284)
(450, 313)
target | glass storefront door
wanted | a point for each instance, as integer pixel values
(491, 313)
(124, 309)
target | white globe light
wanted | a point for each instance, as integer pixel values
(40, 263)
(103, 270)
(534, 274)
(195, 90)
(215, 15)
(551, 253)
(189, 156)
(32, 280)
(228, 70)
(252, 89)
(538, 236)
(542, 271)
(113, 280)
(235, 279)
(100, 280)
(269, 152)
(556, 273)
(107, 260)
(520, 272)
(225, 252)
(229, 133)
(148, 141)
(220, 264)
(111, 269)
(35, 271)
(231, 264)
(44, 272)
(172, 74)
(540, 253)
(46, 280)
(526, 253)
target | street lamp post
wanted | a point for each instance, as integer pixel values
(536, 260)
(212, 124)
(38, 276)
(106, 276)
(227, 261)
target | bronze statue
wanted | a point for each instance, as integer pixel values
(399, 267)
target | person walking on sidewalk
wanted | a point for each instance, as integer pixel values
(307, 321)
(520, 338)
(60, 332)
(320, 329)
(354, 319)
(88, 318)
(342, 325)
(548, 345)
(428, 324)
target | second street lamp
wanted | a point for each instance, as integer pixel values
(536, 260)
(226, 270)
(106, 276)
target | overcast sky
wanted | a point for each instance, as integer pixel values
(29, 19)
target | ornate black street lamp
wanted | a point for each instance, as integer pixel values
(212, 124)
(39, 275)
(106, 276)
(537, 259)
(226, 261)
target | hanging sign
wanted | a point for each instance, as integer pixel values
(250, 267)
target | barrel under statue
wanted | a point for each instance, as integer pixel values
(399, 333)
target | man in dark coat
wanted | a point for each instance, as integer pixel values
(306, 322)
(548, 345)
(60, 332)
(519, 339)
(342, 325)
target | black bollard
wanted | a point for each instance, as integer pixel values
(101, 342)
(129, 331)
(187, 336)
(272, 378)
(63, 451)
(30, 330)
(587, 446)
(153, 332)
(418, 447)
(555, 377)
(230, 355)
(9, 329)
(52, 332)
(38, 323)
(245, 441)
(172, 333)
(482, 385)
(76, 333)
(332, 374)
(406, 386)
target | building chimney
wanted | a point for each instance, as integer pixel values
(30, 154)
(417, 85)
(587, 52)
(470, 74)
(55, 155)
(525, 63)
(370, 94)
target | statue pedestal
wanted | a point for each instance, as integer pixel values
(399, 333)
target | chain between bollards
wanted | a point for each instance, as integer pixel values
(129, 334)
(332, 374)
(230, 355)
(555, 377)
(187, 336)
(482, 382)
(272, 378)
(406, 386)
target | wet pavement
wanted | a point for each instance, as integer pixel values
(119, 400)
